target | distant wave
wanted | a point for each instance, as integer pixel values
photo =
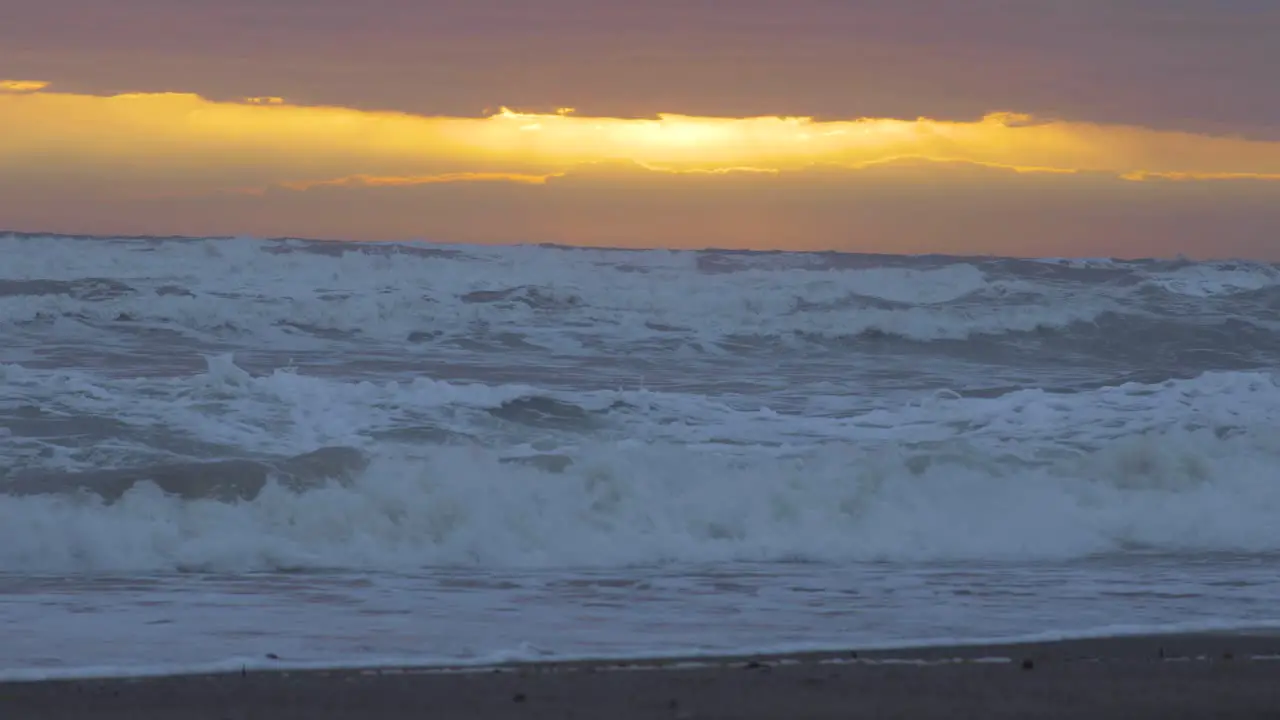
(537, 297)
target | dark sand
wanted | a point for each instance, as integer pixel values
(1177, 676)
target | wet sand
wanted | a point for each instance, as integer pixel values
(1170, 676)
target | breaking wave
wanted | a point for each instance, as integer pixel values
(617, 505)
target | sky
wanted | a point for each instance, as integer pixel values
(1129, 128)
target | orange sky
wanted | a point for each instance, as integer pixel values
(1017, 161)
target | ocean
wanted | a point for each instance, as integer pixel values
(226, 453)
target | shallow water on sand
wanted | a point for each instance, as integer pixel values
(149, 623)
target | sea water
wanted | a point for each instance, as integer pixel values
(240, 452)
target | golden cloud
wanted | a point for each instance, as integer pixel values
(22, 86)
(373, 181)
(179, 142)
(1142, 175)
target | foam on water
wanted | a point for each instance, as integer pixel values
(656, 477)
(221, 288)
(665, 506)
(1224, 279)
(841, 439)
(665, 658)
(288, 412)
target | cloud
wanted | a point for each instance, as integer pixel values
(1141, 175)
(461, 177)
(22, 86)
(1010, 183)
(163, 139)
(1189, 64)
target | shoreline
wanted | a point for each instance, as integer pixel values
(910, 651)
(1219, 674)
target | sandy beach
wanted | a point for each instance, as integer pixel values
(1172, 676)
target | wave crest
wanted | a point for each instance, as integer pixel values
(616, 505)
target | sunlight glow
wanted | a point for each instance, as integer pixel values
(22, 85)
(372, 181)
(176, 138)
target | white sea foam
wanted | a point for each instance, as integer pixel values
(641, 660)
(1183, 465)
(618, 505)
(1218, 279)
(207, 289)
(285, 412)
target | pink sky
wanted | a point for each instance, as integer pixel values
(1197, 66)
